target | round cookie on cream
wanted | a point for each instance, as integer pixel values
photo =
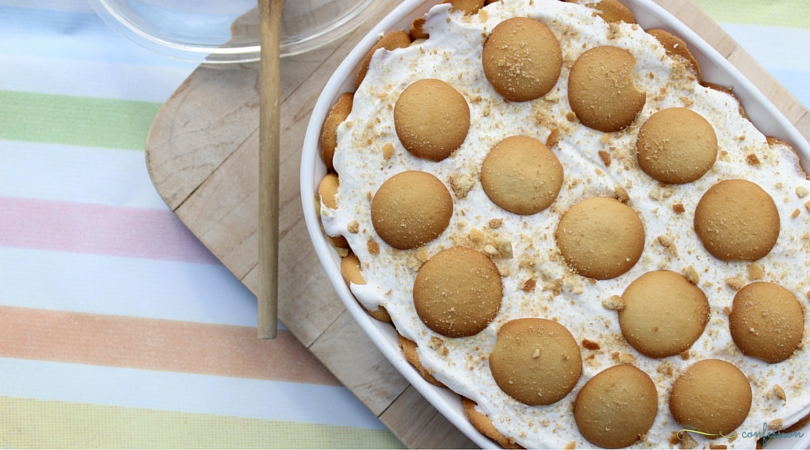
(766, 322)
(737, 220)
(458, 292)
(711, 396)
(600, 238)
(601, 89)
(521, 175)
(411, 208)
(663, 314)
(616, 407)
(431, 119)
(522, 59)
(676, 145)
(535, 361)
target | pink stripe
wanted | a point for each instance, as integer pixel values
(98, 229)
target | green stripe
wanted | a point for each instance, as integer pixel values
(84, 121)
(27, 423)
(778, 13)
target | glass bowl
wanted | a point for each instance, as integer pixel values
(218, 31)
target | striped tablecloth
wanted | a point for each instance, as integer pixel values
(117, 327)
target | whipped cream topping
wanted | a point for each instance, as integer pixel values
(536, 281)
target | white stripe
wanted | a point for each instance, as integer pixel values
(78, 77)
(206, 293)
(773, 47)
(76, 174)
(189, 393)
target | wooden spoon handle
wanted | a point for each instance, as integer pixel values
(269, 143)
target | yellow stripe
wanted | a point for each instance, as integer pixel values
(775, 13)
(27, 423)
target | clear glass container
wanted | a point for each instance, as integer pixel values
(227, 31)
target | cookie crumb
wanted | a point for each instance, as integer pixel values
(717, 446)
(373, 247)
(504, 247)
(613, 303)
(495, 223)
(775, 425)
(795, 214)
(779, 392)
(477, 236)
(422, 254)
(571, 446)
(692, 275)
(678, 208)
(353, 227)
(756, 271)
(666, 240)
(735, 283)
(413, 263)
(536, 353)
(342, 252)
(461, 185)
(437, 344)
(388, 150)
(554, 138)
(752, 159)
(605, 157)
(528, 285)
(802, 192)
(685, 355)
(590, 345)
(626, 358)
(621, 194)
(687, 441)
(807, 205)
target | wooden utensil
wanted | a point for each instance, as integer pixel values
(269, 143)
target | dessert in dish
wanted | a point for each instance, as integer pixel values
(535, 243)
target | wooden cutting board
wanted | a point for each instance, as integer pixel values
(202, 155)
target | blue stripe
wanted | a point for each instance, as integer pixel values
(72, 35)
(795, 81)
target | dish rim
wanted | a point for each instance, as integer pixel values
(714, 68)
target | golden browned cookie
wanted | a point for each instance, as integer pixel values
(601, 90)
(520, 174)
(409, 350)
(457, 292)
(609, 10)
(353, 274)
(389, 41)
(431, 119)
(676, 145)
(616, 407)
(410, 209)
(468, 6)
(522, 59)
(535, 361)
(484, 426)
(766, 321)
(664, 314)
(416, 31)
(600, 238)
(737, 220)
(675, 46)
(340, 111)
(327, 190)
(711, 396)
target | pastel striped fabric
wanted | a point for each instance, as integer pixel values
(117, 327)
